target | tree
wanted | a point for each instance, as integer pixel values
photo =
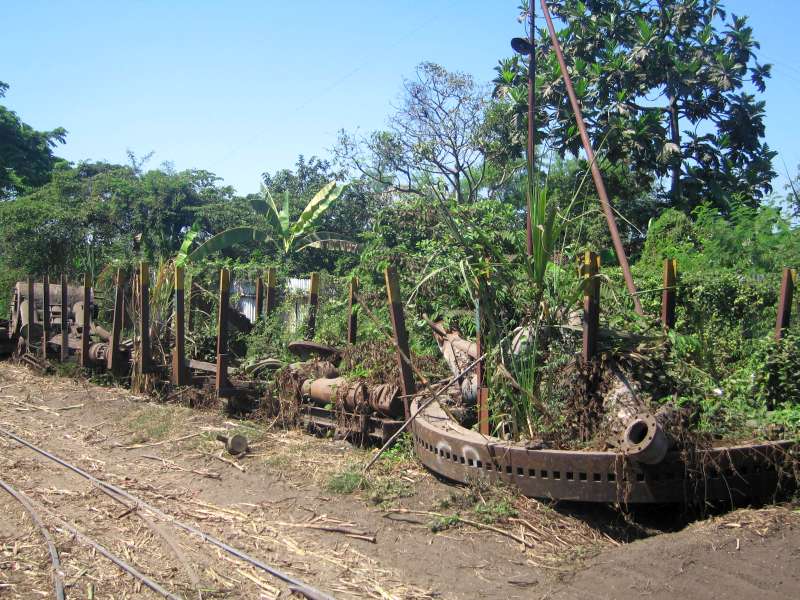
(278, 229)
(433, 143)
(663, 88)
(26, 155)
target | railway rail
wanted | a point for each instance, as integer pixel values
(121, 495)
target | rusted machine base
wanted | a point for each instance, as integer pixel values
(365, 428)
(731, 474)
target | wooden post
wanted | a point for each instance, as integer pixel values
(45, 313)
(270, 291)
(222, 330)
(31, 315)
(591, 304)
(64, 320)
(668, 295)
(313, 304)
(352, 316)
(145, 352)
(115, 352)
(400, 335)
(259, 298)
(179, 348)
(86, 323)
(784, 303)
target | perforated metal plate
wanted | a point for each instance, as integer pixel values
(720, 474)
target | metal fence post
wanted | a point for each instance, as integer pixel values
(352, 315)
(668, 294)
(64, 320)
(400, 335)
(591, 304)
(115, 353)
(313, 305)
(179, 349)
(145, 352)
(86, 323)
(45, 313)
(784, 303)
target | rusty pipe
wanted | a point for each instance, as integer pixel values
(596, 175)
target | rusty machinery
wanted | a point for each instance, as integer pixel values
(22, 333)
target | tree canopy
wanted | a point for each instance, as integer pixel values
(668, 89)
(26, 155)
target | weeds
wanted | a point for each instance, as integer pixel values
(347, 482)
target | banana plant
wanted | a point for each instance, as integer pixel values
(285, 236)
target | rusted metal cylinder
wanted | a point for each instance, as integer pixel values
(644, 440)
(98, 353)
(385, 399)
(332, 391)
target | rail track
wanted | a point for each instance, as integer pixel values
(132, 503)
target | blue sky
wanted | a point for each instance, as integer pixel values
(241, 87)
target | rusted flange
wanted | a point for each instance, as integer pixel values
(644, 441)
(720, 474)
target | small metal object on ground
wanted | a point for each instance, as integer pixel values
(235, 445)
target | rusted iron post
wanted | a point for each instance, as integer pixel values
(45, 313)
(595, 169)
(64, 320)
(222, 331)
(313, 305)
(179, 347)
(86, 322)
(591, 304)
(270, 300)
(221, 378)
(784, 303)
(352, 315)
(115, 352)
(31, 316)
(668, 294)
(259, 298)
(145, 351)
(400, 335)
(194, 294)
(483, 391)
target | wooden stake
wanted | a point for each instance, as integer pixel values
(668, 295)
(352, 316)
(784, 303)
(313, 304)
(115, 353)
(64, 320)
(45, 313)
(86, 323)
(400, 335)
(591, 304)
(179, 349)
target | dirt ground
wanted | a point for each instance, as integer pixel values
(299, 503)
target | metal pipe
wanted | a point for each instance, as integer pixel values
(531, 123)
(596, 175)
